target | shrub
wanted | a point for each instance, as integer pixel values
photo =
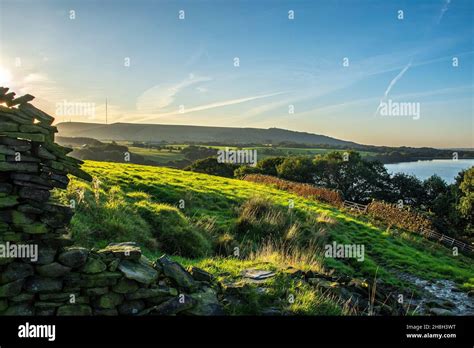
(103, 215)
(173, 231)
(405, 218)
(260, 220)
(305, 190)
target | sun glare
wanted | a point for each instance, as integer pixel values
(5, 77)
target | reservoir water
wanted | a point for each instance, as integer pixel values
(446, 169)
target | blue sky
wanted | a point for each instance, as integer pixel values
(182, 71)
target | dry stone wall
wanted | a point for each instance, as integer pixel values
(41, 272)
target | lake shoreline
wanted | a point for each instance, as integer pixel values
(416, 159)
(447, 169)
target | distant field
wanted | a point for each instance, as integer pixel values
(161, 157)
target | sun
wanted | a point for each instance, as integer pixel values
(5, 77)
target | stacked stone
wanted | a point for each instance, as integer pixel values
(65, 280)
(31, 165)
(116, 280)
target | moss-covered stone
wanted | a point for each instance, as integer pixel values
(172, 306)
(8, 127)
(122, 250)
(206, 303)
(94, 265)
(23, 297)
(37, 284)
(125, 286)
(9, 201)
(106, 312)
(139, 271)
(100, 279)
(46, 255)
(131, 307)
(177, 273)
(45, 312)
(15, 271)
(96, 291)
(33, 129)
(53, 270)
(11, 236)
(35, 228)
(59, 297)
(18, 167)
(44, 304)
(74, 257)
(40, 138)
(74, 310)
(19, 219)
(11, 289)
(3, 305)
(21, 309)
(157, 292)
(113, 265)
(109, 300)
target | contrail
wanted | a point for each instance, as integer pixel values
(395, 80)
(391, 84)
(443, 10)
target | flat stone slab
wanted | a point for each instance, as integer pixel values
(257, 274)
(138, 271)
(176, 272)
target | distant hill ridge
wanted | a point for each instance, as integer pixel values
(183, 133)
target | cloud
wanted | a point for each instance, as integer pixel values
(36, 78)
(363, 101)
(197, 56)
(161, 96)
(208, 106)
(324, 80)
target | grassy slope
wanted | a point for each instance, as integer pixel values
(211, 198)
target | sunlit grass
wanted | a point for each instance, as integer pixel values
(211, 205)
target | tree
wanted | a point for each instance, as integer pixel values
(299, 169)
(268, 166)
(407, 188)
(466, 201)
(211, 166)
(434, 188)
(358, 180)
(193, 152)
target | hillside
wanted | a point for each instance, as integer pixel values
(202, 219)
(186, 134)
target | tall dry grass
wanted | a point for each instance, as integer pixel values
(305, 190)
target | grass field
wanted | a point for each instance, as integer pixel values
(161, 157)
(198, 217)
